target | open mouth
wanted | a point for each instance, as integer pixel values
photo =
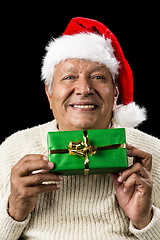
(84, 107)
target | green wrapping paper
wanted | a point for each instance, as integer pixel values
(88, 152)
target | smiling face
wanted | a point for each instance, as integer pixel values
(82, 95)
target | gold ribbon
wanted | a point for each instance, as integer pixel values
(83, 149)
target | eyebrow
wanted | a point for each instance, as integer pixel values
(99, 68)
(96, 68)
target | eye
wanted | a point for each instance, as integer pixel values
(70, 77)
(98, 77)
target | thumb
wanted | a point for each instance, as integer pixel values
(115, 177)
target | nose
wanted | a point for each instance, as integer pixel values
(84, 87)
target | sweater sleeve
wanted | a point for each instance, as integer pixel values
(9, 228)
(152, 230)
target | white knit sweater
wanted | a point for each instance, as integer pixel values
(85, 208)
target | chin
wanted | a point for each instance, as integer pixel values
(85, 125)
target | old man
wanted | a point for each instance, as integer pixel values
(85, 72)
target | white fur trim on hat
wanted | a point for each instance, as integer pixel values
(87, 46)
(130, 115)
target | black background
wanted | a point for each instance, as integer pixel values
(26, 30)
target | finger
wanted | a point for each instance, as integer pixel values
(39, 189)
(136, 168)
(114, 177)
(30, 165)
(27, 157)
(143, 157)
(137, 181)
(39, 178)
(135, 152)
(44, 188)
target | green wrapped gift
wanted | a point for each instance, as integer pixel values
(88, 152)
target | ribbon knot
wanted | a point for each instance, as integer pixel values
(83, 149)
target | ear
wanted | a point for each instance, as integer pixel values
(116, 97)
(49, 96)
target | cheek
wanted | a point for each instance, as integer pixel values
(59, 95)
(107, 94)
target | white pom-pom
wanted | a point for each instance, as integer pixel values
(130, 115)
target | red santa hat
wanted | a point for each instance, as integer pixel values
(89, 39)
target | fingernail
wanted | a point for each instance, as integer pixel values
(45, 158)
(58, 185)
(119, 179)
(124, 189)
(51, 165)
(60, 177)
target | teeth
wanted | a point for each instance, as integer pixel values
(83, 106)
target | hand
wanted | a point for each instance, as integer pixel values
(134, 188)
(26, 185)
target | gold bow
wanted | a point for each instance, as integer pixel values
(83, 148)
